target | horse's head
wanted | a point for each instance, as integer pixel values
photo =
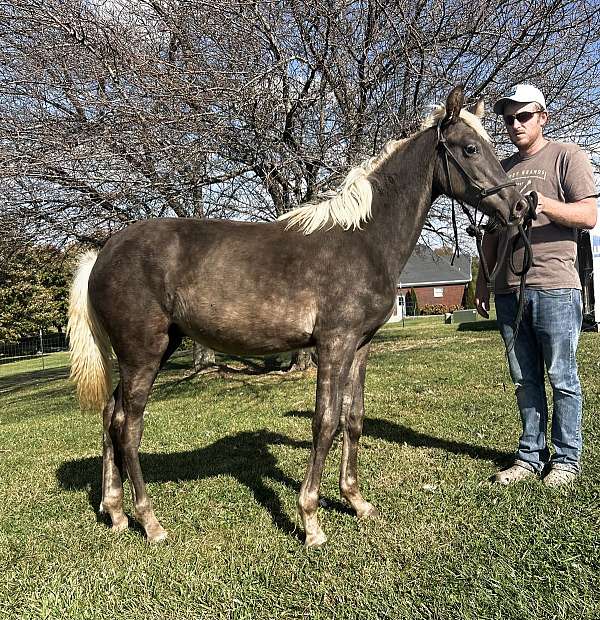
(467, 168)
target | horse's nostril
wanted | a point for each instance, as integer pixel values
(519, 207)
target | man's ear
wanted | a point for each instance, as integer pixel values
(478, 108)
(454, 105)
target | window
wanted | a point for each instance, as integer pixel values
(438, 291)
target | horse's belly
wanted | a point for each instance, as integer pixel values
(239, 328)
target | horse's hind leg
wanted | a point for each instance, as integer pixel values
(112, 462)
(335, 358)
(136, 383)
(138, 372)
(352, 422)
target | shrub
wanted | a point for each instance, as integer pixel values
(438, 308)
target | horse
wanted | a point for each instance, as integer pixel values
(324, 275)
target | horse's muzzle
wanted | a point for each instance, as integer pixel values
(524, 209)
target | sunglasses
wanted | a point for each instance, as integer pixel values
(522, 117)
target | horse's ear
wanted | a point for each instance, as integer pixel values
(478, 108)
(454, 104)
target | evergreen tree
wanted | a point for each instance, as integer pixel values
(34, 291)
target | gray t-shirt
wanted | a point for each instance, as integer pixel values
(562, 172)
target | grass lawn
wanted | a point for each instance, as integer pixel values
(224, 456)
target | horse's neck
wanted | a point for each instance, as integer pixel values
(401, 199)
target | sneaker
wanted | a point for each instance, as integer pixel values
(513, 474)
(559, 477)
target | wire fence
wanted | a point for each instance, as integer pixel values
(33, 346)
(45, 343)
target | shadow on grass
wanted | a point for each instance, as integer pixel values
(245, 456)
(478, 326)
(244, 365)
(170, 384)
(383, 337)
(31, 378)
(390, 431)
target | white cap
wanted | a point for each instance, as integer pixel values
(521, 93)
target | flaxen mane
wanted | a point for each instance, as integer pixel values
(347, 207)
(470, 119)
(350, 205)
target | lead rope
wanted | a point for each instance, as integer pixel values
(524, 233)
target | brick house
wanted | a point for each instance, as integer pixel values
(433, 279)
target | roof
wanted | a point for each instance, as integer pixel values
(426, 268)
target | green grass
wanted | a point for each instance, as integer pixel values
(223, 458)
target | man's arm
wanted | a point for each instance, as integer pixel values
(580, 214)
(489, 248)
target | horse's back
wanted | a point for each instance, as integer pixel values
(235, 286)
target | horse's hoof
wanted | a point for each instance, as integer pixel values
(315, 540)
(158, 536)
(120, 525)
(368, 512)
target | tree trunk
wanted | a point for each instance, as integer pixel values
(203, 357)
(304, 359)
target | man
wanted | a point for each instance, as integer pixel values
(547, 338)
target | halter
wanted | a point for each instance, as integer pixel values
(476, 230)
(482, 192)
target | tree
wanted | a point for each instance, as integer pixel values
(33, 292)
(469, 298)
(112, 112)
(412, 303)
(116, 111)
(203, 357)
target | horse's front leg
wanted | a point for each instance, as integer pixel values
(336, 353)
(352, 422)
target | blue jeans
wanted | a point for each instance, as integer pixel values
(547, 340)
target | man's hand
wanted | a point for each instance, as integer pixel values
(482, 300)
(580, 214)
(540, 202)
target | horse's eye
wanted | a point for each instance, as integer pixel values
(471, 149)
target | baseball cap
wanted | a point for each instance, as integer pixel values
(521, 93)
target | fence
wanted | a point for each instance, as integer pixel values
(33, 346)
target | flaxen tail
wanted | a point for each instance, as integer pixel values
(88, 342)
